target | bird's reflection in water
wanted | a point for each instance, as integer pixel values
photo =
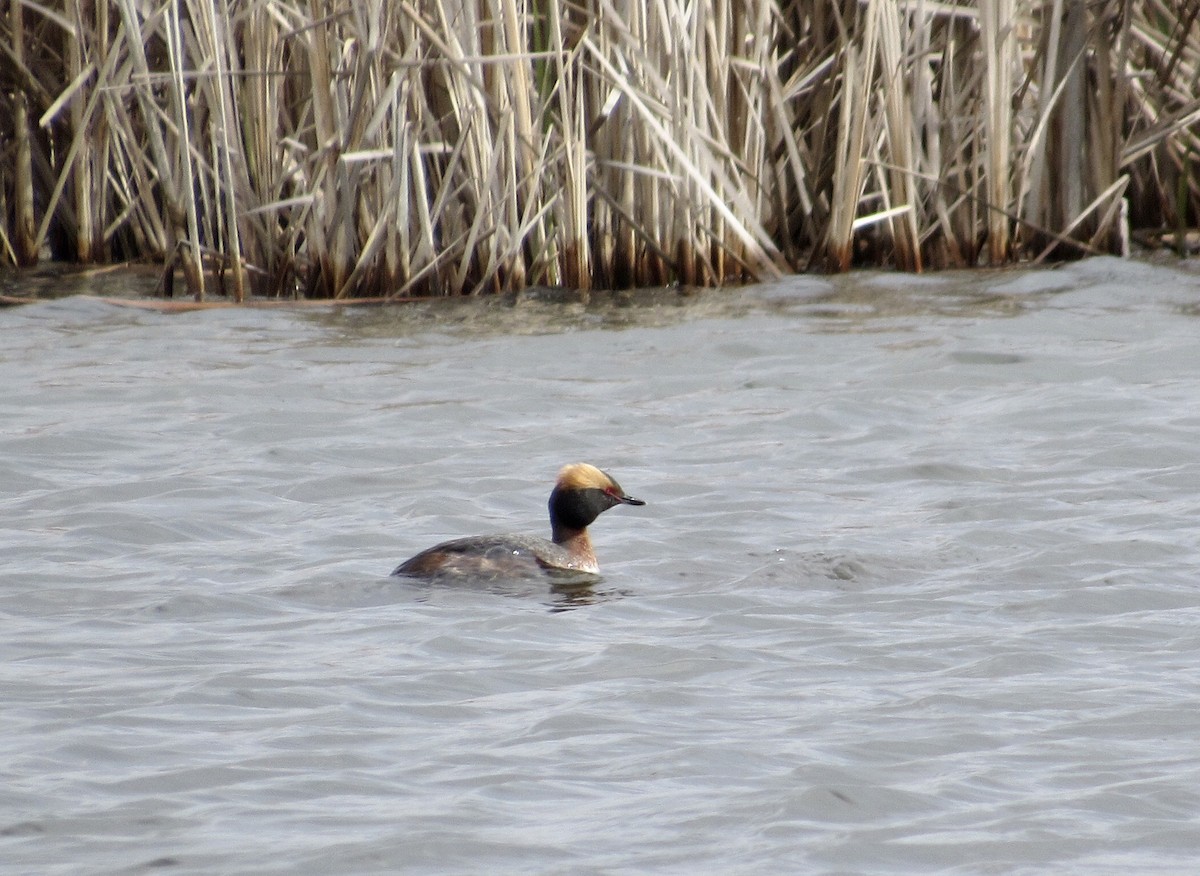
(565, 597)
(559, 589)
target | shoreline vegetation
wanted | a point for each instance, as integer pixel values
(362, 148)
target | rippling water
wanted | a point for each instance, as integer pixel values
(915, 589)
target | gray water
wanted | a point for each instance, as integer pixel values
(915, 589)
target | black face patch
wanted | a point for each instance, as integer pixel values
(576, 509)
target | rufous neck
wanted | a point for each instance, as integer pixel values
(576, 542)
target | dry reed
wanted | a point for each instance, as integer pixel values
(296, 148)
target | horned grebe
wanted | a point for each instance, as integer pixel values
(581, 494)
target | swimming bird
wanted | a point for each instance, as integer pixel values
(580, 495)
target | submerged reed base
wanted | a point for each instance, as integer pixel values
(361, 148)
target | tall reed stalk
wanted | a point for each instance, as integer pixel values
(21, 240)
(291, 147)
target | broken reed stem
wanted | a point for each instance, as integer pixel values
(465, 146)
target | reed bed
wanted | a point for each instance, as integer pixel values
(411, 147)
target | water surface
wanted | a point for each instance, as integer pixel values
(915, 589)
